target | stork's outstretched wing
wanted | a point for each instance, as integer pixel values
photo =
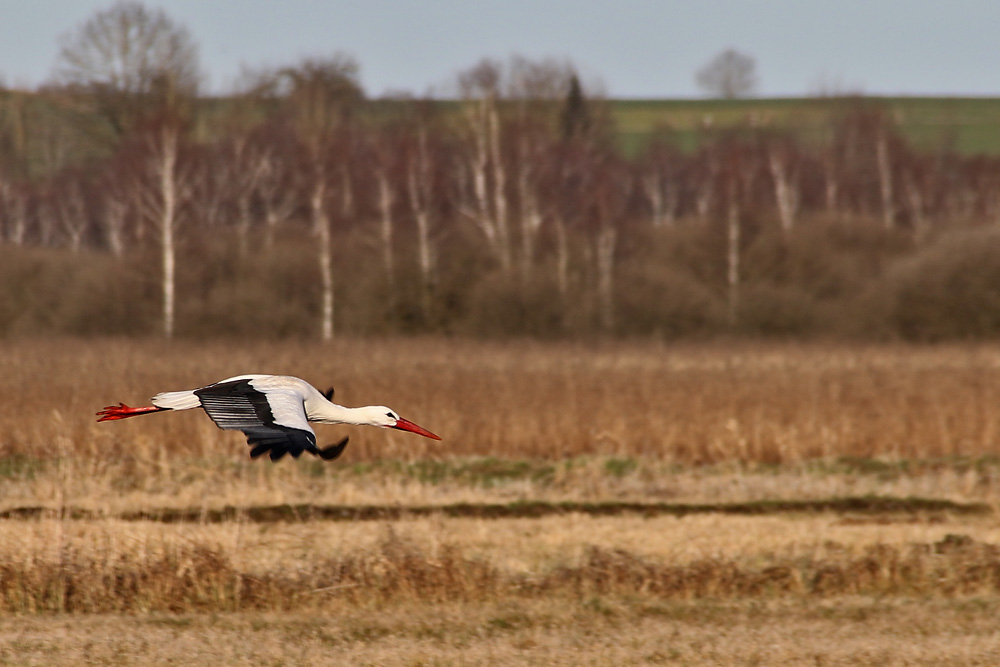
(274, 420)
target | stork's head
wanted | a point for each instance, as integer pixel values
(379, 415)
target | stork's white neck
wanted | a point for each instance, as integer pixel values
(325, 412)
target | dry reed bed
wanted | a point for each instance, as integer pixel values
(53, 566)
(685, 404)
(689, 421)
(199, 579)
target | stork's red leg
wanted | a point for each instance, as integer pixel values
(122, 411)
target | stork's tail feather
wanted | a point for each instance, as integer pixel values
(122, 411)
(176, 400)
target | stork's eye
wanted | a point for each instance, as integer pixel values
(390, 415)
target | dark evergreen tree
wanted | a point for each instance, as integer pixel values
(574, 120)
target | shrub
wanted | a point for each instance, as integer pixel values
(949, 290)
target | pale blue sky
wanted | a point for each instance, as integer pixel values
(636, 48)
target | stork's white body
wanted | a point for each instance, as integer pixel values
(294, 402)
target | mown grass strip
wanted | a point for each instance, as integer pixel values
(865, 505)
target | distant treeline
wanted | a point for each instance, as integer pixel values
(303, 209)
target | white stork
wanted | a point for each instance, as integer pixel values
(273, 411)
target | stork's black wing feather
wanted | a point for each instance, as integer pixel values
(280, 440)
(334, 450)
(237, 405)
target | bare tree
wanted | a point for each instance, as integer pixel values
(488, 210)
(164, 165)
(883, 159)
(423, 169)
(387, 222)
(132, 60)
(163, 187)
(277, 185)
(614, 188)
(781, 161)
(660, 178)
(14, 135)
(530, 155)
(113, 220)
(320, 98)
(243, 166)
(561, 193)
(733, 233)
(71, 210)
(728, 75)
(549, 91)
(915, 183)
(13, 213)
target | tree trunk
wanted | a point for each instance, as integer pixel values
(45, 219)
(607, 238)
(168, 195)
(243, 225)
(662, 200)
(419, 186)
(784, 192)
(489, 211)
(277, 196)
(479, 164)
(321, 225)
(733, 258)
(347, 193)
(499, 189)
(703, 200)
(425, 258)
(916, 199)
(15, 223)
(531, 216)
(831, 185)
(562, 259)
(885, 180)
(73, 215)
(385, 201)
(115, 211)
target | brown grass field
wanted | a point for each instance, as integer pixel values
(627, 503)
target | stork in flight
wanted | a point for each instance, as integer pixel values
(273, 411)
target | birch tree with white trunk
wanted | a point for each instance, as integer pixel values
(660, 184)
(611, 187)
(71, 209)
(13, 213)
(733, 254)
(780, 161)
(322, 94)
(164, 188)
(488, 208)
(420, 176)
(883, 161)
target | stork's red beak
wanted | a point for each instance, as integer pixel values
(407, 425)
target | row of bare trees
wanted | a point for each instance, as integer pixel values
(533, 186)
(519, 177)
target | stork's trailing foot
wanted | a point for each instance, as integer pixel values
(122, 411)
